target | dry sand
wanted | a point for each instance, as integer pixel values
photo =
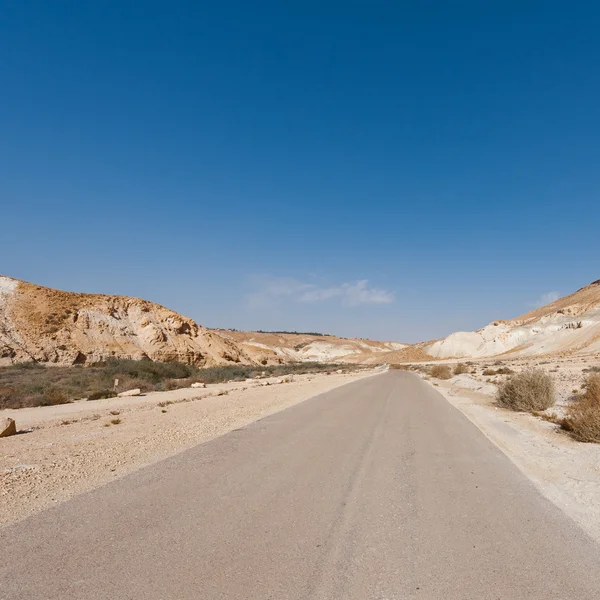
(565, 471)
(74, 448)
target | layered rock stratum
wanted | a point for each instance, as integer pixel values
(568, 326)
(51, 326)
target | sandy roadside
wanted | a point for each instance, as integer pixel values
(77, 447)
(565, 471)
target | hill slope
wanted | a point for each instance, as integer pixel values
(309, 347)
(570, 325)
(47, 325)
(51, 326)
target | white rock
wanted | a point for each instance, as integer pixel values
(135, 392)
(198, 385)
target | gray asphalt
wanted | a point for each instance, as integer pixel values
(378, 490)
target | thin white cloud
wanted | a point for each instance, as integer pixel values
(273, 291)
(546, 299)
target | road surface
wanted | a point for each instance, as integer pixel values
(378, 490)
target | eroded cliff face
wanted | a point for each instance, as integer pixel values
(568, 326)
(47, 325)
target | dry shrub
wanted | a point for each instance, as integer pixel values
(583, 415)
(460, 369)
(504, 371)
(54, 396)
(527, 391)
(33, 384)
(500, 371)
(441, 372)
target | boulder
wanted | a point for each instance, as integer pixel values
(198, 385)
(135, 392)
(7, 427)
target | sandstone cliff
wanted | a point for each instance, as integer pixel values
(52, 326)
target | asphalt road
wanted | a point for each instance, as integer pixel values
(378, 490)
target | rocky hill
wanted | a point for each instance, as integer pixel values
(570, 325)
(309, 347)
(52, 326)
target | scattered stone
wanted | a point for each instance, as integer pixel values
(135, 392)
(7, 427)
(18, 468)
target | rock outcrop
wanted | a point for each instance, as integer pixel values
(304, 347)
(7, 427)
(51, 326)
(64, 328)
(570, 325)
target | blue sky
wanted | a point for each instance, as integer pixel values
(394, 170)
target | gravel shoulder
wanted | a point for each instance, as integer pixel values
(565, 471)
(70, 449)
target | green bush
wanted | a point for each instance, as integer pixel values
(32, 384)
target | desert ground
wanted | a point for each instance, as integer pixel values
(68, 449)
(72, 448)
(376, 489)
(564, 470)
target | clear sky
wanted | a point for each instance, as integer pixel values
(395, 170)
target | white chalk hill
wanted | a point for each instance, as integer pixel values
(570, 325)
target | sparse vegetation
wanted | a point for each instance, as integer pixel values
(582, 420)
(528, 391)
(295, 333)
(500, 371)
(460, 369)
(33, 384)
(441, 372)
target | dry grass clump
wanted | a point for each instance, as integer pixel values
(582, 420)
(528, 391)
(461, 368)
(441, 372)
(500, 371)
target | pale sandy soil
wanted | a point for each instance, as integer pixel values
(74, 448)
(565, 471)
